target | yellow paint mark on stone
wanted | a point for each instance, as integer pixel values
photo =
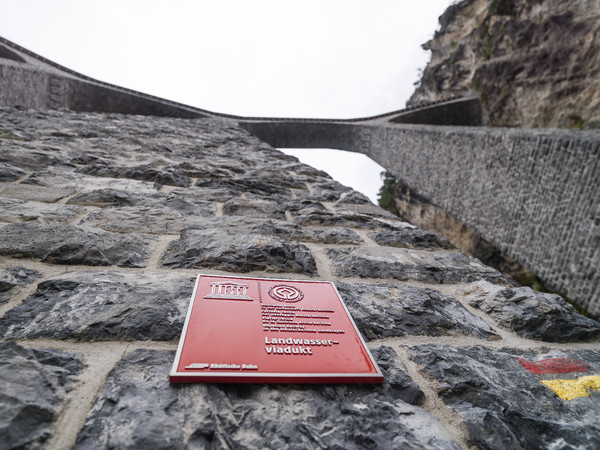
(570, 389)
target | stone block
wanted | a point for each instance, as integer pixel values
(138, 408)
(12, 210)
(408, 264)
(410, 238)
(102, 306)
(139, 218)
(254, 207)
(143, 173)
(32, 192)
(532, 314)
(385, 310)
(33, 387)
(503, 405)
(9, 173)
(15, 276)
(226, 249)
(73, 244)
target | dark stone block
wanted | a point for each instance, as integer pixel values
(254, 207)
(103, 197)
(384, 310)
(143, 173)
(142, 219)
(407, 264)
(225, 249)
(505, 406)
(33, 383)
(102, 306)
(410, 238)
(20, 211)
(71, 244)
(535, 315)
(159, 415)
(9, 173)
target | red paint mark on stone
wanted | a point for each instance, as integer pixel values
(554, 365)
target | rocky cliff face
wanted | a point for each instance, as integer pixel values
(534, 63)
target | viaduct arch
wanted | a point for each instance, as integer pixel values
(533, 193)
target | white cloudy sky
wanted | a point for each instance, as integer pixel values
(274, 58)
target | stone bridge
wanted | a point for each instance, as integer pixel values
(534, 194)
(107, 218)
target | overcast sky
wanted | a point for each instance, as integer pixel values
(324, 58)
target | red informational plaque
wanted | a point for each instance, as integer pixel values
(257, 330)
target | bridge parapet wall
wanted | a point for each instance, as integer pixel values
(534, 194)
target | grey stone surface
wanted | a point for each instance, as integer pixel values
(138, 408)
(410, 238)
(268, 209)
(505, 406)
(143, 173)
(21, 211)
(533, 314)
(384, 310)
(35, 193)
(224, 249)
(330, 235)
(33, 384)
(408, 264)
(102, 306)
(277, 228)
(140, 218)
(8, 173)
(360, 208)
(102, 198)
(22, 275)
(7, 281)
(70, 244)
(308, 212)
(14, 276)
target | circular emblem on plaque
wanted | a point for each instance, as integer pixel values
(286, 293)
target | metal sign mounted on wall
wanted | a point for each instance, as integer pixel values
(258, 330)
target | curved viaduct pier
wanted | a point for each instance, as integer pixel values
(534, 194)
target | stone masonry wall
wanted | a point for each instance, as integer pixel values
(534, 194)
(105, 220)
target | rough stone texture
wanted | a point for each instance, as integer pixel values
(102, 306)
(35, 193)
(407, 264)
(308, 212)
(7, 282)
(384, 310)
(533, 314)
(143, 219)
(410, 238)
(505, 406)
(12, 277)
(143, 173)
(70, 244)
(268, 209)
(138, 408)
(533, 64)
(21, 211)
(225, 250)
(33, 384)
(8, 173)
(235, 182)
